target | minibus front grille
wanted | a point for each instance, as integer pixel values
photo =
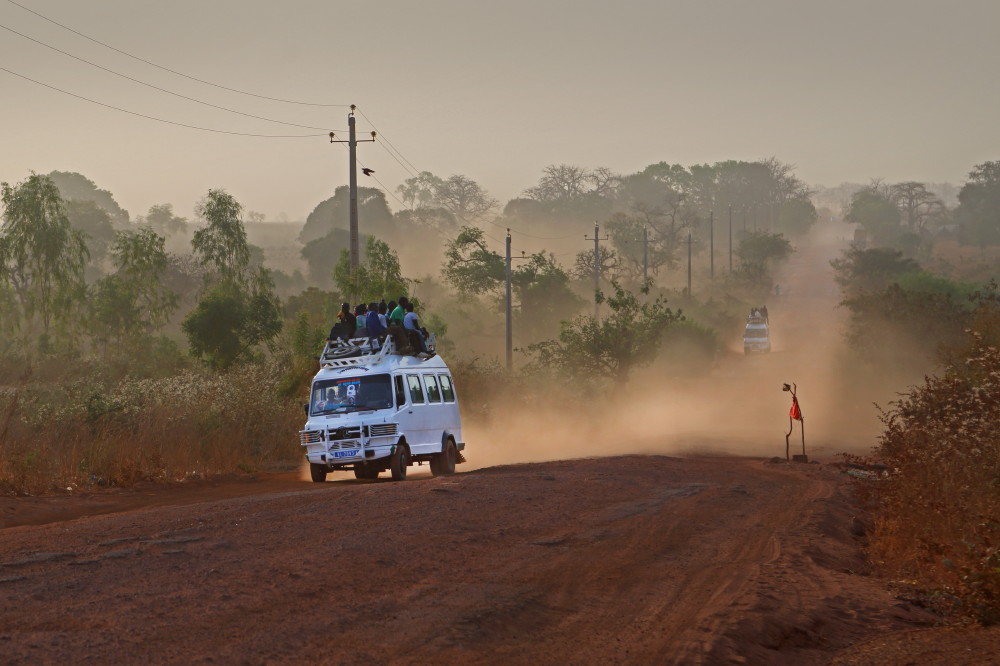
(382, 429)
(335, 434)
(310, 437)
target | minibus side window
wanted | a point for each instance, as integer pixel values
(416, 391)
(400, 391)
(446, 390)
(433, 393)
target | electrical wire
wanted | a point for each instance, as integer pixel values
(150, 85)
(161, 120)
(415, 171)
(172, 71)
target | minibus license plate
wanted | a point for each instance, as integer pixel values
(346, 454)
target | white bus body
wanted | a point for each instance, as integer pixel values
(376, 410)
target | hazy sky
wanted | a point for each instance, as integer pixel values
(846, 90)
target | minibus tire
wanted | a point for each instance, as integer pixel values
(443, 464)
(344, 352)
(317, 472)
(399, 461)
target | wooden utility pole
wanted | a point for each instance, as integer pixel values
(711, 244)
(510, 326)
(597, 264)
(645, 256)
(730, 238)
(352, 145)
(689, 264)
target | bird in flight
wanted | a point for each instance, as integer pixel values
(367, 171)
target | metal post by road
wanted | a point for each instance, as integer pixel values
(689, 264)
(645, 256)
(730, 238)
(597, 264)
(711, 243)
(510, 327)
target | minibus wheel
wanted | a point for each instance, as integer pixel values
(443, 464)
(317, 472)
(399, 461)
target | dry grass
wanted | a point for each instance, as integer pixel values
(939, 519)
(84, 433)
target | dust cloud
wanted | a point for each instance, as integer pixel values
(737, 409)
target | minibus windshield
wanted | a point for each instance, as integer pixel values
(350, 394)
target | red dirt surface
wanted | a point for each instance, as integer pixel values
(632, 559)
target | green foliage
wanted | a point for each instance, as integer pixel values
(133, 301)
(222, 245)
(873, 269)
(230, 321)
(759, 250)
(321, 254)
(76, 187)
(41, 255)
(689, 348)
(470, 266)
(95, 223)
(590, 349)
(878, 215)
(796, 217)
(978, 213)
(918, 324)
(162, 220)
(378, 276)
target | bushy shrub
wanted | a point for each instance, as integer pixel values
(940, 503)
(88, 432)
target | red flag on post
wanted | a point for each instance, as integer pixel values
(795, 413)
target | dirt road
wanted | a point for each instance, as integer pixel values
(619, 560)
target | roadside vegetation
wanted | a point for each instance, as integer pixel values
(936, 329)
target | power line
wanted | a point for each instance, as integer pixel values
(150, 85)
(161, 120)
(415, 170)
(167, 69)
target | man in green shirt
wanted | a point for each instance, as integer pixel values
(396, 316)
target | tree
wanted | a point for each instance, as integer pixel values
(871, 270)
(378, 276)
(978, 212)
(796, 216)
(238, 310)
(162, 220)
(609, 264)
(875, 211)
(917, 206)
(229, 322)
(335, 213)
(759, 249)
(470, 266)
(463, 198)
(321, 254)
(95, 223)
(41, 255)
(420, 191)
(222, 244)
(133, 301)
(611, 347)
(76, 187)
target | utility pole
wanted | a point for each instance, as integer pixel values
(352, 144)
(744, 219)
(645, 256)
(730, 238)
(510, 327)
(689, 264)
(711, 244)
(597, 264)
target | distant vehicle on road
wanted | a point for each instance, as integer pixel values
(756, 335)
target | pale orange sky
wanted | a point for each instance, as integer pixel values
(845, 90)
